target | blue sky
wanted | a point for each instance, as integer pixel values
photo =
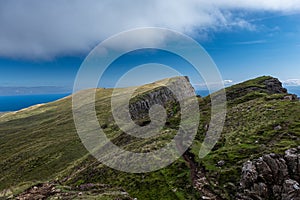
(44, 44)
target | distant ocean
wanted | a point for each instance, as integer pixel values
(294, 90)
(17, 102)
(202, 93)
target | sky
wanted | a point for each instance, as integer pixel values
(43, 43)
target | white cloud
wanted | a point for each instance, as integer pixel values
(251, 42)
(203, 86)
(292, 82)
(228, 82)
(37, 29)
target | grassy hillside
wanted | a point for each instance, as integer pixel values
(40, 144)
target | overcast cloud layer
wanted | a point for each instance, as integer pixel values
(35, 29)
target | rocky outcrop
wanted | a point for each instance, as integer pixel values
(267, 84)
(274, 86)
(162, 95)
(139, 108)
(272, 176)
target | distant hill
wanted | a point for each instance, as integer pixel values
(41, 153)
(10, 90)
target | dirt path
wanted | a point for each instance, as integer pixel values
(198, 177)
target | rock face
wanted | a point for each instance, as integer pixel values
(272, 176)
(274, 86)
(139, 109)
(162, 95)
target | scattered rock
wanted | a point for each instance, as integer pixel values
(40, 191)
(205, 198)
(277, 128)
(220, 163)
(53, 191)
(291, 97)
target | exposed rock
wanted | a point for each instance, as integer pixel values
(278, 128)
(274, 86)
(271, 176)
(162, 95)
(292, 158)
(290, 190)
(291, 97)
(220, 163)
(199, 180)
(267, 85)
(41, 191)
(140, 108)
(85, 191)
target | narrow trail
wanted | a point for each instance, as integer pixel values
(198, 177)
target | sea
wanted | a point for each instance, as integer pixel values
(293, 90)
(17, 102)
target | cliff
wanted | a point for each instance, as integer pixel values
(162, 94)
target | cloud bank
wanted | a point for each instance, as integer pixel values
(35, 29)
(203, 86)
(292, 82)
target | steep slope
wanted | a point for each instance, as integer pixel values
(40, 144)
(257, 123)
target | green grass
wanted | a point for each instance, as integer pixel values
(40, 144)
(249, 132)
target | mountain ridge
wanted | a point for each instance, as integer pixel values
(257, 123)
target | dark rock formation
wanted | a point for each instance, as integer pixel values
(140, 108)
(162, 95)
(272, 176)
(274, 86)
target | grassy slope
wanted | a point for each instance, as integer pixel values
(37, 143)
(41, 144)
(249, 132)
